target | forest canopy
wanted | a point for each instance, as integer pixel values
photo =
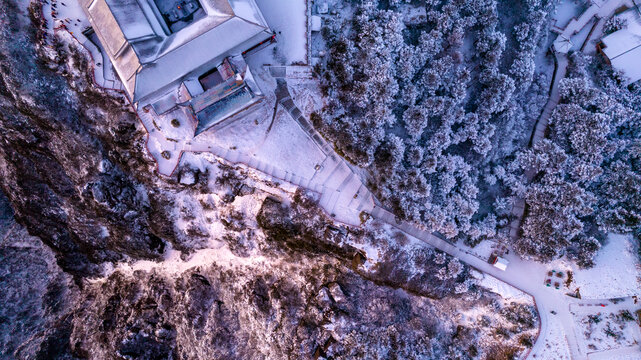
(440, 108)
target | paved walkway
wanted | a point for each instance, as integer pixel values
(68, 18)
(560, 70)
(340, 191)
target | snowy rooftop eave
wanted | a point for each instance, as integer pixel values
(106, 26)
(248, 10)
(132, 20)
(148, 61)
(217, 7)
(218, 12)
(191, 32)
(630, 64)
(125, 61)
(208, 49)
(626, 39)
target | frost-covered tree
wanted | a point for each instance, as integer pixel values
(555, 203)
(444, 88)
(586, 178)
(613, 24)
(620, 207)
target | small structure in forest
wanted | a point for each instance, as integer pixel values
(499, 262)
(622, 48)
(562, 44)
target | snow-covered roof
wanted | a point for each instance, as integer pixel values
(114, 39)
(623, 47)
(501, 263)
(201, 52)
(149, 59)
(226, 99)
(562, 44)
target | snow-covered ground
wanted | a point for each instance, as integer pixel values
(616, 273)
(507, 292)
(484, 249)
(631, 353)
(603, 331)
(285, 146)
(306, 94)
(619, 354)
(288, 18)
(176, 262)
(555, 346)
(566, 10)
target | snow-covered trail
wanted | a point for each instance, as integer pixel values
(524, 275)
(561, 66)
(520, 270)
(529, 277)
(599, 10)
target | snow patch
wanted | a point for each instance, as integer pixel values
(555, 346)
(507, 292)
(616, 273)
(187, 178)
(288, 18)
(371, 252)
(176, 262)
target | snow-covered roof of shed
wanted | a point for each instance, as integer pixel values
(630, 64)
(623, 47)
(148, 59)
(501, 263)
(562, 44)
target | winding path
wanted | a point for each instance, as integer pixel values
(545, 301)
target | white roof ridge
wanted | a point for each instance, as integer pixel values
(625, 52)
(162, 51)
(251, 22)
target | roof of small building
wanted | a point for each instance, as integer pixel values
(623, 47)
(501, 263)
(563, 44)
(149, 59)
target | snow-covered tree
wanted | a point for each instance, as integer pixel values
(445, 89)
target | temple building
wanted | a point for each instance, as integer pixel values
(184, 57)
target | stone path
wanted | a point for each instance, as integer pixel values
(561, 67)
